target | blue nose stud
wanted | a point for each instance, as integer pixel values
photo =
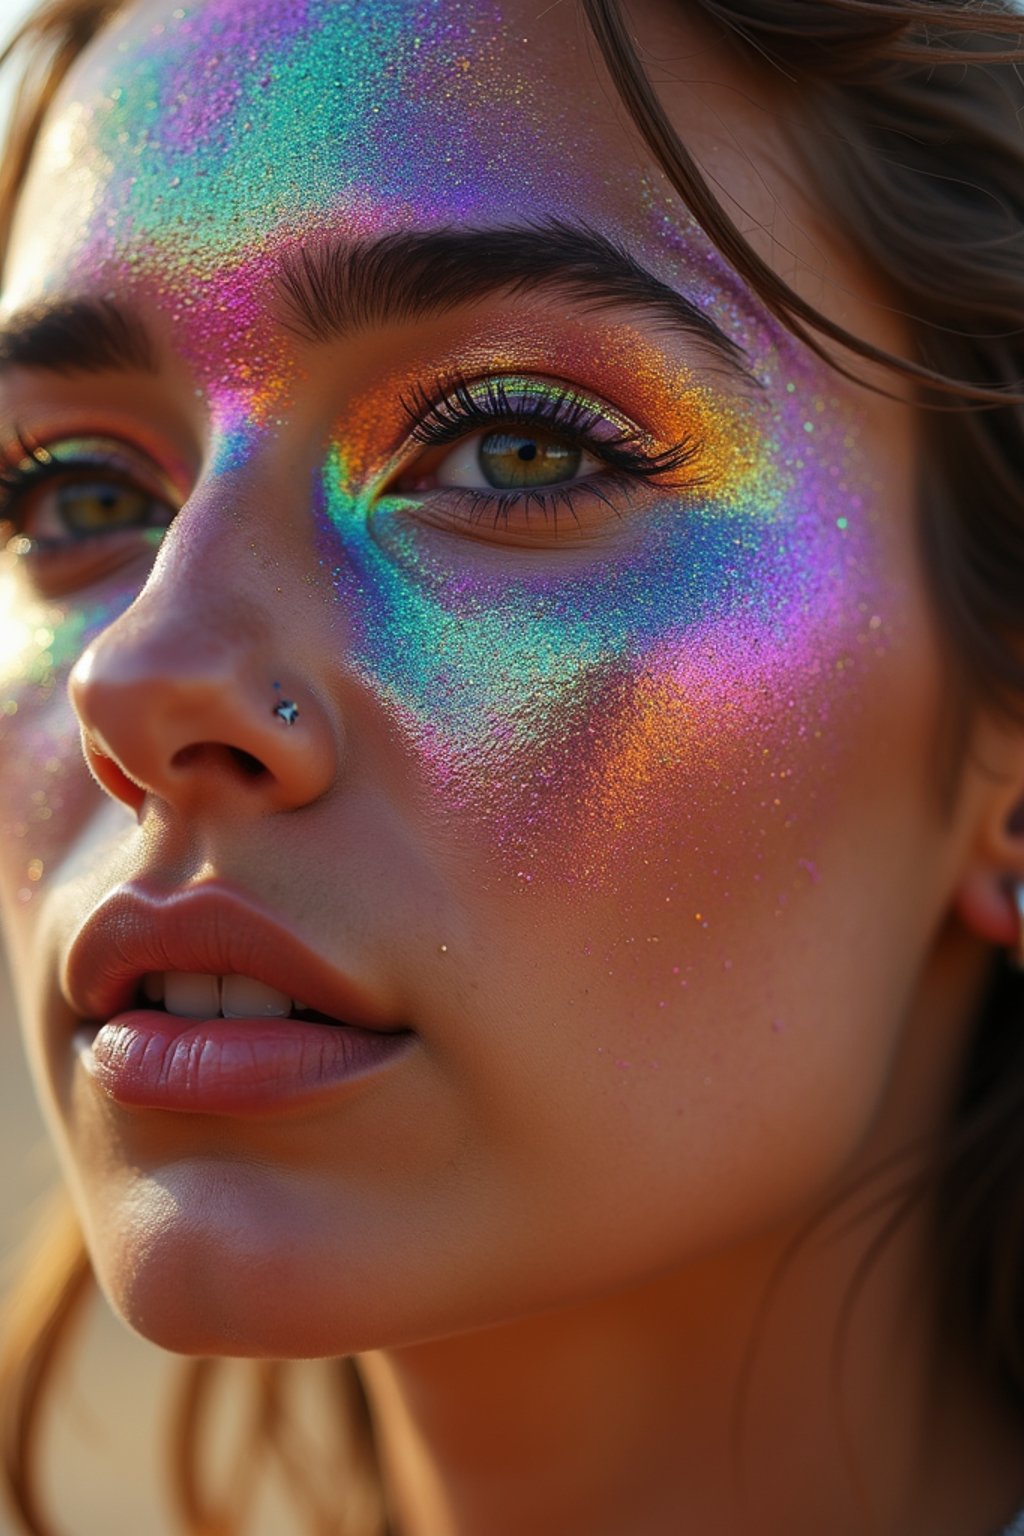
(285, 710)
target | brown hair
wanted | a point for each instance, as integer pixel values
(912, 135)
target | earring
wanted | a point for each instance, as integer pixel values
(285, 710)
(1017, 952)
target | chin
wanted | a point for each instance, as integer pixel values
(189, 1308)
(241, 1272)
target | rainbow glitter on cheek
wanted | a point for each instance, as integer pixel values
(567, 704)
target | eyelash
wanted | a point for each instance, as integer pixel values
(460, 408)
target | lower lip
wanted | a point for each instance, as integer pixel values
(147, 1059)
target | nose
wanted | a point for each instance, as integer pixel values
(197, 695)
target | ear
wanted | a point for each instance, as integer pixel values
(986, 897)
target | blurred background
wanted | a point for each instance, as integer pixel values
(11, 13)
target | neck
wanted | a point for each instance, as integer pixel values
(764, 1388)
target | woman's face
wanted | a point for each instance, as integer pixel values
(597, 594)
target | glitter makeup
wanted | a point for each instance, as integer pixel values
(567, 695)
(585, 688)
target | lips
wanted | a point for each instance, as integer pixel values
(139, 1057)
(206, 928)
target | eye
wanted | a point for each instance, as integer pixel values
(65, 495)
(89, 506)
(525, 459)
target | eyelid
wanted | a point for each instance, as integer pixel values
(56, 455)
(492, 398)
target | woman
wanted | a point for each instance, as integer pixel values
(514, 774)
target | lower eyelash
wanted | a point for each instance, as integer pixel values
(549, 501)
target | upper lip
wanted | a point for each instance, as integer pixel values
(205, 928)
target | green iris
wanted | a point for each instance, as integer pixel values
(513, 460)
(92, 506)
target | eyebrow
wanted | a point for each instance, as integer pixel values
(332, 288)
(72, 336)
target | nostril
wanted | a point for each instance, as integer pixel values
(194, 755)
(247, 762)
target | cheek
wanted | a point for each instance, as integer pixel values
(696, 680)
(48, 792)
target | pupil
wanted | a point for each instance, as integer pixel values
(512, 460)
(91, 506)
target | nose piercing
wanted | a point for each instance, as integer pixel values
(285, 710)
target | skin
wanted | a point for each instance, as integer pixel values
(687, 936)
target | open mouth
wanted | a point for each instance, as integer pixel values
(228, 1044)
(196, 995)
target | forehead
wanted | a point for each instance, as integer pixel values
(194, 144)
(212, 125)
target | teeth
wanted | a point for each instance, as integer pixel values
(191, 994)
(194, 995)
(242, 997)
